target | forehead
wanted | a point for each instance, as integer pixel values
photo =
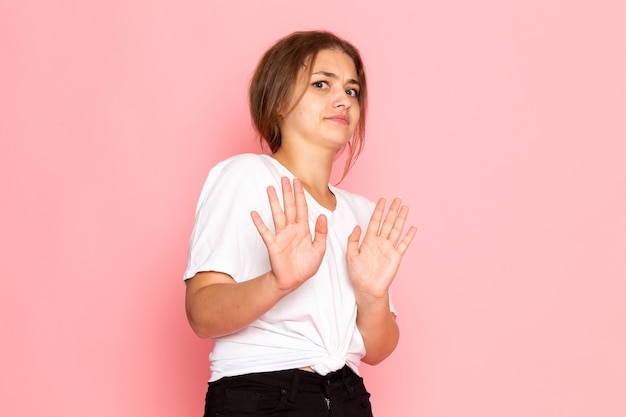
(333, 61)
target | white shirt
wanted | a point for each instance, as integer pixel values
(313, 326)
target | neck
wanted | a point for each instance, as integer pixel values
(313, 170)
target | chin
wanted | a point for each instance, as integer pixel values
(340, 139)
(340, 144)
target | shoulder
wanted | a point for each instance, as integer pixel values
(244, 163)
(246, 169)
(243, 176)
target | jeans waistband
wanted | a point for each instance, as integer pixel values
(297, 380)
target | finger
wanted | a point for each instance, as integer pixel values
(265, 233)
(288, 200)
(373, 227)
(278, 216)
(302, 210)
(353, 240)
(408, 238)
(391, 217)
(398, 225)
(321, 231)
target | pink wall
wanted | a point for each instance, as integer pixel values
(501, 123)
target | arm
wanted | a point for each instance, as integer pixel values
(372, 267)
(216, 305)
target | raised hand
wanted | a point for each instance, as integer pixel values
(372, 266)
(294, 255)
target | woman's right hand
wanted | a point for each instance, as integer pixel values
(294, 255)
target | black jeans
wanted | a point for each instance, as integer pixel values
(291, 393)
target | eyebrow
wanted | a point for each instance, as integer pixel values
(332, 75)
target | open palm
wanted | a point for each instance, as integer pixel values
(294, 255)
(372, 266)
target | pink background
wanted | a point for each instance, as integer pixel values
(502, 124)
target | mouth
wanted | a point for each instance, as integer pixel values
(339, 118)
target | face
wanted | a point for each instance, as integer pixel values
(327, 113)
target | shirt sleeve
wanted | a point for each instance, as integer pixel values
(224, 238)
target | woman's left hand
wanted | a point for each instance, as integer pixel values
(372, 266)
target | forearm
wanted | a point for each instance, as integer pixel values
(224, 308)
(378, 327)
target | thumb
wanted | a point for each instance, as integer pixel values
(353, 239)
(321, 231)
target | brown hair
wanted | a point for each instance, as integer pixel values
(276, 75)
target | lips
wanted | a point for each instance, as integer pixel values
(339, 118)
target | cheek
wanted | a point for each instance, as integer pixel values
(356, 114)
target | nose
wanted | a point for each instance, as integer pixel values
(341, 99)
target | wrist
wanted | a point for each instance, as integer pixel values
(274, 285)
(373, 302)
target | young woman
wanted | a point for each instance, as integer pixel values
(295, 292)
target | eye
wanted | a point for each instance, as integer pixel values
(320, 84)
(352, 92)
